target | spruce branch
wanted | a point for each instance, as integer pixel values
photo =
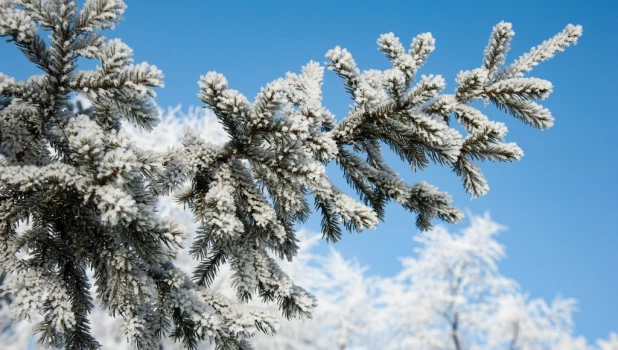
(206, 271)
(498, 47)
(331, 231)
(529, 112)
(422, 45)
(99, 14)
(342, 63)
(543, 52)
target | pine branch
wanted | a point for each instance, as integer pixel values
(497, 48)
(93, 202)
(422, 45)
(184, 330)
(360, 177)
(473, 179)
(428, 203)
(543, 52)
(79, 337)
(342, 63)
(331, 230)
(524, 89)
(206, 271)
(99, 14)
(530, 113)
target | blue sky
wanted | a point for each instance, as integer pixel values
(559, 201)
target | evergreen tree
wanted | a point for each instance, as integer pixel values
(451, 276)
(89, 194)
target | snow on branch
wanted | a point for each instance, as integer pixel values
(91, 192)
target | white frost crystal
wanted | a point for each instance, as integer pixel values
(91, 195)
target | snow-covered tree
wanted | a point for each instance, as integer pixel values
(89, 194)
(450, 295)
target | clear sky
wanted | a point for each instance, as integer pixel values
(559, 200)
